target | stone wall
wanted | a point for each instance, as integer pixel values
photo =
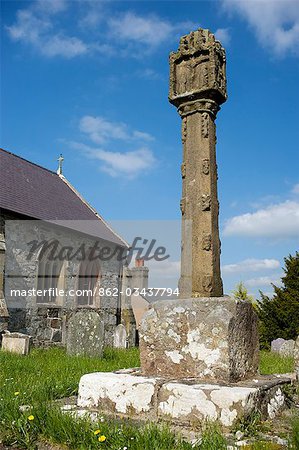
(47, 322)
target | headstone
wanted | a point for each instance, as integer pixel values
(16, 343)
(120, 337)
(276, 345)
(287, 348)
(85, 334)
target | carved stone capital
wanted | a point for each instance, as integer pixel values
(205, 106)
(198, 69)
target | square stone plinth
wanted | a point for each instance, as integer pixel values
(183, 402)
(118, 393)
(16, 343)
(212, 339)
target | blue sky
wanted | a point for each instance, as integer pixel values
(89, 79)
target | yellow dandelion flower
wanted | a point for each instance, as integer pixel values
(102, 438)
(17, 393)
(96, 432)
(31, 417)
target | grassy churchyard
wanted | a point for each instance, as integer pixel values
(31, 416)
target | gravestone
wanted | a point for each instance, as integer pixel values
(283, 347)
(85, 334)
(287, 348)
(120, 337)
(16, 343)
(276, 345)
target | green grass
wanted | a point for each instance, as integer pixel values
(294, 438)
(47, 375)
(51, 374)
(271, 363)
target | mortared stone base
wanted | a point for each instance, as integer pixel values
(128, 394)
(213, 339)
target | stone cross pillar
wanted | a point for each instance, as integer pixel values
(197, 88)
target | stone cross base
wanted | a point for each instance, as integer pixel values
(212, 339)
(128, 394)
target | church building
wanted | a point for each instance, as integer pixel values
(57, 256)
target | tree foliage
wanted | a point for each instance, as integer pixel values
(279, 315)
(241, 293)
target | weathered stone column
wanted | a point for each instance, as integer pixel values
(197, 88)
(203, 334)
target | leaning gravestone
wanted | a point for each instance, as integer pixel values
(120, 337)
(276, 345)
(85, 334)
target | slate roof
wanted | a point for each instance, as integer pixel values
(38, 193)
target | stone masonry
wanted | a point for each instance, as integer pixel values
(208, 338)
(47, 323)
(4, 315)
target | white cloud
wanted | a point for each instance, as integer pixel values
(127, 33)
(251, 265)
(149, 30)
(275, 23)
(142, 136)
(59, 45)
(28, 27)
(279, 220)
(33, 26)
(51, 6)
(164, 269)
(93, 14)
(223, 35)
(100, 130)
(259, 282)
(128, 164)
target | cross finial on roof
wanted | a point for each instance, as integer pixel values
(60, 161)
